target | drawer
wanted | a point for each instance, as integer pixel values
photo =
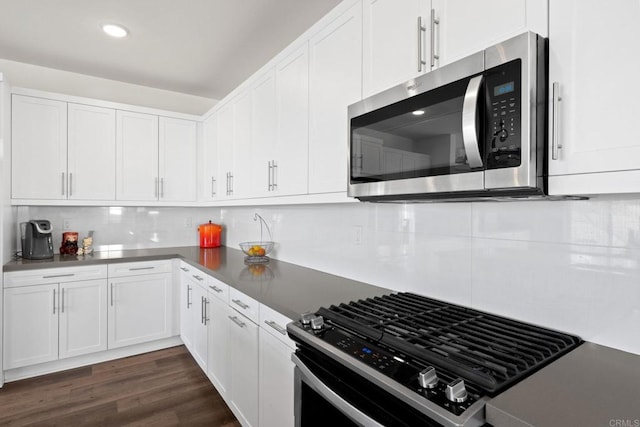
(54, 275)
(244, 304)
(139, 268)
(218, 289)
(275, 324)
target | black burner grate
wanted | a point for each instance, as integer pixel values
(491, 351)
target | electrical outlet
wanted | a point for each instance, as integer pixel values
(66, 224)
(358, 234)
(188, 223)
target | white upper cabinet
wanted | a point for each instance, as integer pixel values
(39, 148)
(225, 142)
(209, 178)
(263, 134)
(177, 160)
(292, 106)
(137, 161)
(91, 153)
(335, 82)
(594, 143)
(396, 43)
(463, 27)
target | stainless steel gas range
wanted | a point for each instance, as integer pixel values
(407, 360)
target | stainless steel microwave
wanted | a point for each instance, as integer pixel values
(471, 129)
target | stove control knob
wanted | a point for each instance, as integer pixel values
(306, 318)
(456, 391)
(428, 378)
(317, 322)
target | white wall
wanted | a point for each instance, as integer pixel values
(52, 80)
(570, 265)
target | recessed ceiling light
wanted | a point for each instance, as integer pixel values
(417, 112)
(115, 30)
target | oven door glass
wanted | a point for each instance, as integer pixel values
(328, 394)
(430, 134)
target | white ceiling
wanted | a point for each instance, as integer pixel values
(198, 47)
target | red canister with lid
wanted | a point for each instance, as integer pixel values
(210, 235)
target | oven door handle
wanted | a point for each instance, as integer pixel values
(338, 402)
(469, 122)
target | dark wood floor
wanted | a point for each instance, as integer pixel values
(162, 388)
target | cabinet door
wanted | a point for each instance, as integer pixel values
(292, 103)
(219, 342)
(226, 152)
(30, 325)
(83, 317)
(210, 185)
(200, 320)
(38, 148)
(241, 176)
(276, 373)
(466, 27)
(137, 156)
(244, 369)
(396, 42)
(596, 117)
(263, 134)
(91, 153)
(335, 82)
(177, 160)
(139, 309)
(187, 309)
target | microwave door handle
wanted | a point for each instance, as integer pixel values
(469, 122)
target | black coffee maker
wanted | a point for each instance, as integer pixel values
(36, 239)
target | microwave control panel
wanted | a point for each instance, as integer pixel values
(504, 114)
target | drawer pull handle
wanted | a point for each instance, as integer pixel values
(198, 278)
(240, 303)
(58, 275)
(141, 268)
(275, 326)
(184, 269)
(215, 288)
(237, 321)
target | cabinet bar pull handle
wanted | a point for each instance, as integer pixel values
(240, 303)
(434, 21)
(111, 295)
(213, 187)
(275, 176)
(62, 304)
(555, 134)
(216, 289)
(63, 183)
(58, 275)
(198, 278)
(161, 188)
(275, 326)
(421, 30)
(70, 184)
(184, 269)
(269, 186)
(231, 186)
(206, 317)
(141, 268)
(54, 301)
(189, 296)
(237, 321)
(202, 310)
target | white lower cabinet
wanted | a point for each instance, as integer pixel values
(200, 321)
(276, 370)
(243, 346)
(187, 308)
(139, 309)
(219, 337)
(45, 321)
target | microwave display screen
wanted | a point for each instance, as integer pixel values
(503, 89)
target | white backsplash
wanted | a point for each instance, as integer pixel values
(568, 265)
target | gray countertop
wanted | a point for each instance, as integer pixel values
(590, 386)
(287, 288)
